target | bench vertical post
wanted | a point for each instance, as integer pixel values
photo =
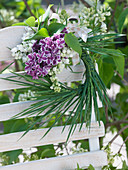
(94, 144)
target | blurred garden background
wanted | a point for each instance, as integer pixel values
(116, 123)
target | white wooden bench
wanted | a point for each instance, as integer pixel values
(10, 37)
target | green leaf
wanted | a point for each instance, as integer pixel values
(45, 151)
(122, 18)
(119, 62)
(48, 153)
(11, 126)
(55, 28)
(78, 168)
(4, 99)
(91, 167)
(42, 33)
(106, 71)
(72, 41)
(20, 24)
(29, 22)
(124, 166)
(13, 155)
(43, 17)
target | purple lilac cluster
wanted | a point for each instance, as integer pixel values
(45, 54)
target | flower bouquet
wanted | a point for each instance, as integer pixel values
(58, 41)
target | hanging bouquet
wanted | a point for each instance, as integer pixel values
(58, 41)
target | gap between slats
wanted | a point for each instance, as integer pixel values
(34, 137)
(97, 159)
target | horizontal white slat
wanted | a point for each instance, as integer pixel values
(9, 38)
(7, 111)
(65, 76)
(33, 137)
(97, 159)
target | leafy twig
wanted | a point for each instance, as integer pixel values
(27, 6)
(124, 128)
(16, 66)
(52, 8)
(116, 123)
(106, 113)
(126, 116)
(85, 3)
(113, 14)
(123, 144)
(2, 24)
(65, 145)
(121, 77)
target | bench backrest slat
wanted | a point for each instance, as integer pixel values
(65, 76)
(97, 158)
(9, 38)
(33, 137)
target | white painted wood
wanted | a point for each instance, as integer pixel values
(10, 37)
(33, 137)
(7, 111)
(98, 100)
(65, 76)
(98, 158)
(94, 144)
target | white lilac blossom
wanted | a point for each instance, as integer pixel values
(78, 31)
(30, 95)
(8, 16)
(69, 56)
(49, 56)
(22, 50)
(91, 17)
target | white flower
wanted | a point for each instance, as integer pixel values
(66, 61)
(103, 26)
(51, 87)
(75, 59)
(79, 31)
(55, 16)
(20, 48)
(14, 50)
(108, 13)
(26, 96)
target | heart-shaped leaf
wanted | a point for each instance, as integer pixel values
(29, 22)
(42, 33)
(55, 28)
